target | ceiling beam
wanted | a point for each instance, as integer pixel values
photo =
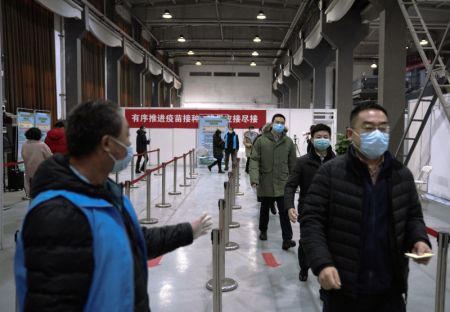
(218, 19)
(224, 56)
(213, 22)
(254, 5)
(219, 49)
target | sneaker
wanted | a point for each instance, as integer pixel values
(303, 275)
(263, 236)
(288, 244)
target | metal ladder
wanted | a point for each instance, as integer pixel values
(436, 70)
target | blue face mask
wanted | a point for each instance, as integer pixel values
(374, 144)
(321, 144)
(277, 127)
(121, 164)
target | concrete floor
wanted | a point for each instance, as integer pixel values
(178, 282)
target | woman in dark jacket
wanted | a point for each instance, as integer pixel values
(218, 145)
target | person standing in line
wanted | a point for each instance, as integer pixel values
(81, 247)
(231, 146)
(361, 215)
(34, 152)
(249, 139)
(272, 159)
(302, 175)
(56, 139)
(218, 145)
(141, 149)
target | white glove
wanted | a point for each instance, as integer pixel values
(201, 226)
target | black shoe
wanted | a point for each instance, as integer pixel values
(288, 244)
(209, 168)
(221, 172)
(273, 210)
(263, 236)
(137, 171)
(303, 275)
(226, 169)
(142, 169)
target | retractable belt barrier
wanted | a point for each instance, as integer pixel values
(441, 272)
(156, 150)
(12, 164)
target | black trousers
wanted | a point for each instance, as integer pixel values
(138, 161)
(302, 262)
(247, 164)
(227, 157)
(217, 162)
(334, 301)
(266, 203)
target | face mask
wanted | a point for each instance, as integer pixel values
(279, 128)
(374, 144)
(121, 164)
(321, 144)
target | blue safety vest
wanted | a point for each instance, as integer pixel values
(234, 141)
(112, 287)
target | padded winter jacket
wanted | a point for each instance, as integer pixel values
(331, 220)
(56, 141)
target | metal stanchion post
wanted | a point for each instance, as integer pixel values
(163, 203)
(230, 195)
(175, 192)
(127, 185)
(117, 177)
(217, 264)
(194, 162)
(191, 167)
(228, 216)
(132, 174)
(441, 274)
(184, 172)
(238, 178)
(228, 284)
(233, 189)
(148, 219)
(159, 161)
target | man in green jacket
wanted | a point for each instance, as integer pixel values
(272, 159)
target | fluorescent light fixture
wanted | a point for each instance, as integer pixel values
(261, 15)
(167, 14)
(423, 42)
(255, 53)
(257, 39)
(181, 39)
(190, 52)
(252, 64)
(198, 63)
(374, 65)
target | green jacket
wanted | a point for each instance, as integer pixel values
(271, 162)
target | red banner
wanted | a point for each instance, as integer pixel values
(188, 118)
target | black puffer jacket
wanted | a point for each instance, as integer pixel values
(302, 175)
(141, 141)
(331, 220)
(58, 242)
(218, 144)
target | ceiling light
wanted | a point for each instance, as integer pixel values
(423, 42)
(198, 63)
(374, 65)
(255, 53)
(190, 52)
(167, 14)
(252, 64)
(257, 39)
(181, 39)
(261, 15)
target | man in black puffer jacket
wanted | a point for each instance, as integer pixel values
(360, 216)
(302, 175)
(81, 247)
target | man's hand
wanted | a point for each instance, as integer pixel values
(293, 215)
(329, 278)
(419, 249)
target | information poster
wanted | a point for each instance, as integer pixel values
(207, 126)
(25, 121)
(43, 121)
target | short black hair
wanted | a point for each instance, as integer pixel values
(251, 127)
(278, 115)
(362, 107)
(33, 134)
(320, 127)
(59, 124)
(88, 123)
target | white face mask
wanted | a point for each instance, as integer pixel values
(121, 164)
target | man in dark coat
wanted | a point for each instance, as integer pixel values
(141, 148)
(360, 216)
(302, 175)
(81, 247)
(231, 146)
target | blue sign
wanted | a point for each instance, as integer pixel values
(207, 126)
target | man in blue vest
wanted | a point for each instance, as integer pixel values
(231, 146)
(81, 247)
